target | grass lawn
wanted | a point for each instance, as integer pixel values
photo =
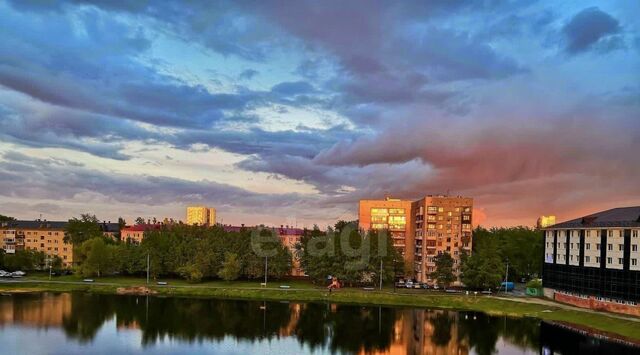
(304, 291)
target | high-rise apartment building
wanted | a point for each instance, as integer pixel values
(390, 214)
(422, 229)
(441, 224)
(201, 215)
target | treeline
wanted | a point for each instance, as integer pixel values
(520, 247)
(350, 255)
(192, 252)
(28, 260)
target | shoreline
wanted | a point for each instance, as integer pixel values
(624, 327)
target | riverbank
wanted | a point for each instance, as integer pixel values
(627, 327)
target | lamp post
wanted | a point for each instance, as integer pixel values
(506, 277)
(380, 274)
(266, 267)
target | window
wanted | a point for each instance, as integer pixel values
(440, 209)
(610, 233)
(634, 233)
(588, 246)
(597, 246)
(609, 260)
(598, 259)
(571, 245)
(620, 261)
(610, 246)
(620, 247)
(634, 262)
(634, 247)
(587, 259)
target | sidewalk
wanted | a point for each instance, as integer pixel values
(545, 302)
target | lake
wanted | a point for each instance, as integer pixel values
(83, 323)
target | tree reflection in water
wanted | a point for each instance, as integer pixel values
(327, 327)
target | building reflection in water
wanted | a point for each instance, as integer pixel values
(322, 327)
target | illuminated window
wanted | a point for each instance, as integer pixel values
(396, 211)
(440, 209)
(379, 211)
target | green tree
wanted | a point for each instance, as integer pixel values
(191, 272)
(6, 218)
(24, 260)
(483, 269)
(97, 257)
(140, 221)
(444, 270)
(81, 229)
(230, 267)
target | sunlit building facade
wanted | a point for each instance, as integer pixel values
(422, 229)
(393, 215)
(545, 221)
(442, 224)
(201, 215)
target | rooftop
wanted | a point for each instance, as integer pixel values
(616, 217)
(44, 224)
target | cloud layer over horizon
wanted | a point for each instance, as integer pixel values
(286, 113)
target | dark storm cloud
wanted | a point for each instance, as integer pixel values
(588, 27)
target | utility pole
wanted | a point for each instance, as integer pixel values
(148, 264)
(380, 274)
(266, 265)
(506, 277)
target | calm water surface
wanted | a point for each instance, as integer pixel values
(81, 323)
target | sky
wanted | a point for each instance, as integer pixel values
(289, 112)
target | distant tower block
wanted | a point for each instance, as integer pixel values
(201, 215)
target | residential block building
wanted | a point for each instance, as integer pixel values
(441, 224)
(422, 229)
(393, 215)
(135, 234)
(594, 261)
(44, 236)
(201, 215)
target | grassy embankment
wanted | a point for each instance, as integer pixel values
(306, 292)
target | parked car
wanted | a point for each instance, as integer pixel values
(417, 285)
(18, 273)
(409, 284)
(425, 286)
(4, 273)
(436, 287)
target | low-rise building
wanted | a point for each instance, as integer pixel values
(45, 236)
(594, 261)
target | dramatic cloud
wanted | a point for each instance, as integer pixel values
(116, 106)
(589, 27)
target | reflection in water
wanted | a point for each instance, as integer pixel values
(312, 327)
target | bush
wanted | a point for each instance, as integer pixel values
(535, 283)
(191, 273)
